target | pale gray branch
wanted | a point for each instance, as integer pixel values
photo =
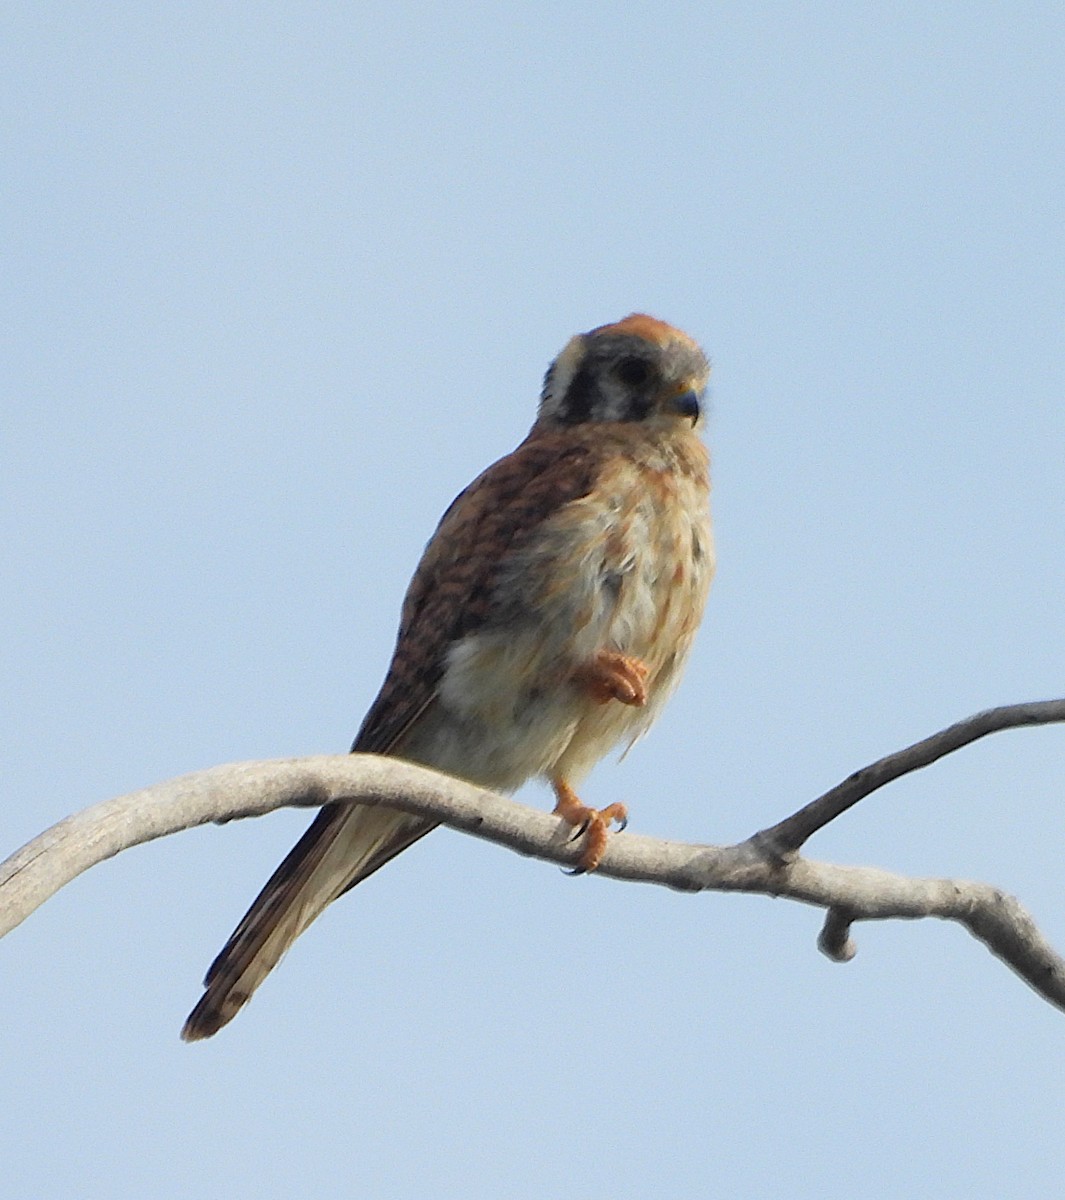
(792, 833)
(847, 894)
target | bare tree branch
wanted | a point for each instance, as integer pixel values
(792, 833)
(766, 864)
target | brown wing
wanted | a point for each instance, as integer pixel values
(449, 596)
(451, 592)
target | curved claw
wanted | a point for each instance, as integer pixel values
(587, 823)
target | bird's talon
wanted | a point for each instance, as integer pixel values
(590, 823)
(578, 831)
(612, 676)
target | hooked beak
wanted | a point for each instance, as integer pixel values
(686, 402)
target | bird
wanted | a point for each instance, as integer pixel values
(547, 622)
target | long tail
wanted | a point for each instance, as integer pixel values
(343, 845)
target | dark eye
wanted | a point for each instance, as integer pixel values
(633, 372)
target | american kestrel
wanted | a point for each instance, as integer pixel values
(548, 620)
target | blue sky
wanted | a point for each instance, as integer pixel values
(278, 282)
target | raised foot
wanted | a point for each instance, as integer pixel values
(612, 676)
(592, 822)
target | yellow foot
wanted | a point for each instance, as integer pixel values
(592, 822)
(611, 676)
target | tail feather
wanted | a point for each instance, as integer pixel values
(343, 845)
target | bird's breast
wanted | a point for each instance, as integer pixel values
(625, 568)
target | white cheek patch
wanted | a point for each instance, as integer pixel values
(616, 406)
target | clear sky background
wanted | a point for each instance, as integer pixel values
(277, 282)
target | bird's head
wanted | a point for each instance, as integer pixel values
(639, 369)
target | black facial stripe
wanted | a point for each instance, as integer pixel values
(579, 400)
(638, 408)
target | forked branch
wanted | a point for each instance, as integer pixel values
(768, 863)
